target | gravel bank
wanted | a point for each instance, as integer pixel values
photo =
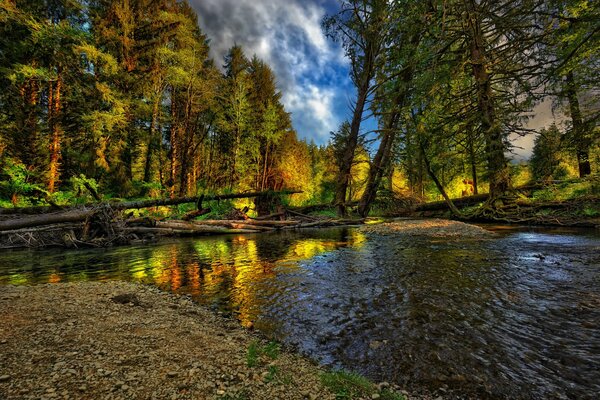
(442, 228)
(76, 341)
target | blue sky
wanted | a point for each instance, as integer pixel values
(311, 70)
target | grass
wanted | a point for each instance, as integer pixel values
(348, 385)
(252, 355)
(569, 190)
(256, 352)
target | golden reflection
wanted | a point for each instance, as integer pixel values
(175, 270)
(308, 248)
(139, 274)
(357, 238)
(54, 278)
(194, 280)
(230, 271)
(18, 279)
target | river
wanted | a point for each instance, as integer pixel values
(515, 315)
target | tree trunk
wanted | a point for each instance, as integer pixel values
(152, 141)
(382, 158)
(494, 146)
(582, 144)
(344, 173)
(45, 219)
(473, 161)
(54, 93)
(174, 139)
(438, 184)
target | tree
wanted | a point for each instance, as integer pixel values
(545, 155)
(361, 27)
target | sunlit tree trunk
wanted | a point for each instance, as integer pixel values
(54, 93)
(174, 139)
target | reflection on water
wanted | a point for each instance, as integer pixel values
(226, 272)
(515, 316)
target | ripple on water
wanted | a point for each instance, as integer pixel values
(514, 316)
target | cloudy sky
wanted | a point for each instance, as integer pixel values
(311, 70)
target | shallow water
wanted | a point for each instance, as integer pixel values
(516, 315)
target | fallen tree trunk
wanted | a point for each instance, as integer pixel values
(211, 226)
(166, 230)
(460, 202)
(46, 219)
(147, 203)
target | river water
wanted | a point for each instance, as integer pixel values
(515, 315)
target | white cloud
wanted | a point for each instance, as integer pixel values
(288, 36)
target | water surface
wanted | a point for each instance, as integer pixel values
(512, 316)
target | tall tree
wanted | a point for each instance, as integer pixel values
(361, 26)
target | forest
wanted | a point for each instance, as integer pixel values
(121, 99)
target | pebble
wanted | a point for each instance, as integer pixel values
(214, 362)
(375, 396)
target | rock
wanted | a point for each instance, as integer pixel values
(172, 374)
(126, 298)
(374, 344)
(4, 378)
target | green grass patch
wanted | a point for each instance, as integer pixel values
(256, 352)
(348, 385)
(252, 355)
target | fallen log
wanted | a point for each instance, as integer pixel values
(460, 202)
(268, 217)
(165, 227)
(248, 222)
(216, 226)
(125, 205)
(46, 219)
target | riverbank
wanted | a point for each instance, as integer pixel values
(119, 340)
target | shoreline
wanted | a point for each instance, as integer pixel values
(121, 340)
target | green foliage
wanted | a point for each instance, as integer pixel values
(545, 156)
(16, 180)
(569, 190)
